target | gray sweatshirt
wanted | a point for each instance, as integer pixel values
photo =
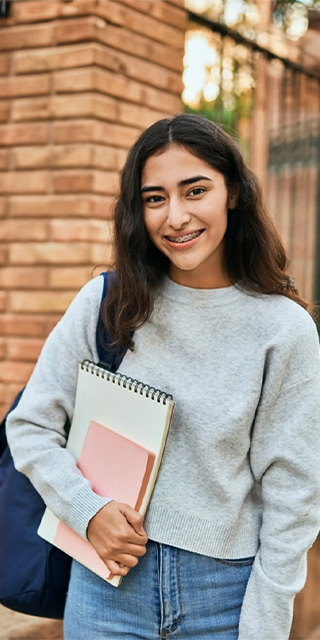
(240, 474)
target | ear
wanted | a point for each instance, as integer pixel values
(233, 196)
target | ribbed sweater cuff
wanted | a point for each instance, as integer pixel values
(83, 508)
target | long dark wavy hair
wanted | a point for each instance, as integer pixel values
(254, 252)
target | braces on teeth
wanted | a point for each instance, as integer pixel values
(190, 236)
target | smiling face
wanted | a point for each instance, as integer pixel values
(185, 211)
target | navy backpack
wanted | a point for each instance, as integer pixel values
(34, 574)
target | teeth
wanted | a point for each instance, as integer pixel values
(185, 238)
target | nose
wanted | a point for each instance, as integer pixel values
(178, 215)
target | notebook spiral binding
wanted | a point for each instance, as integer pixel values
(127, 382)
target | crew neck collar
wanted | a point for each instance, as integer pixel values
(182, 294)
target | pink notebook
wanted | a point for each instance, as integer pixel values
(117, 468)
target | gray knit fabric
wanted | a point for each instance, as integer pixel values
(240, 474)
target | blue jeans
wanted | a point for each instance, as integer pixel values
(170, 594)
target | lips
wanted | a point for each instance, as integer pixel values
(186, 238)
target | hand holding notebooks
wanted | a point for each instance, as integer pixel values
(117, 436)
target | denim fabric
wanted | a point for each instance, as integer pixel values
(170, 594)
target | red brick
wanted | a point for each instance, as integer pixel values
(79, 105)
(23, 230)
(39, 10)
(87, 155)
(3, 255)
(16, 134)
(53, 58)
(4, 64)
(4, 110)
(132, 67)
(40, 301)
(31, 109)
(30, 157)
(69, 278)
(86, 105)
(71, 181)
(105, 182)
(94, 131)
(24, 349)
(78, 230)
(138, 116)
(34, 11)
(73, 80)
(122, 38)
(4, 157)
(3, 207)
(59, 205)
(108, 157)
(80, 7)
(49, 253)
(144, 95)
(116, 85)
(3, 352)
(24, 182)
(102, 255)
(24, 37)
(78, 30)
(142, 24)
(162, 11)
(4, 408)
(84, 181)
(103, 207)
(87, 54)
(3, 300)
(53, 156)
(23, 277)
(15, 371)
(24, 85)
(23, 325)
(74, 131)
(116, 134)
(124, 112)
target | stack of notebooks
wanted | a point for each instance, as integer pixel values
(117, 436)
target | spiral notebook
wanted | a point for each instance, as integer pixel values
(118, 434)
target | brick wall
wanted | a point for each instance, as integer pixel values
(79, 80)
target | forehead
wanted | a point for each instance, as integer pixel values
(174, 163)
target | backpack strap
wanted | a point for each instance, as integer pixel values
(3, 437)
(110, 357)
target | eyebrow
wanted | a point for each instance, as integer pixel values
(182, 183)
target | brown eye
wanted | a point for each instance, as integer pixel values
(154, 199)
(197, 191)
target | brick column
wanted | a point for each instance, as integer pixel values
(79, 80)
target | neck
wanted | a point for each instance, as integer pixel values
(205, 280)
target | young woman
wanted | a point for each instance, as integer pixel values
(201, 281)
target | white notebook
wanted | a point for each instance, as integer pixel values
(118, 434)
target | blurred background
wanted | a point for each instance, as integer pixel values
(79, 79)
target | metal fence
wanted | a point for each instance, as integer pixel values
(272, 105)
